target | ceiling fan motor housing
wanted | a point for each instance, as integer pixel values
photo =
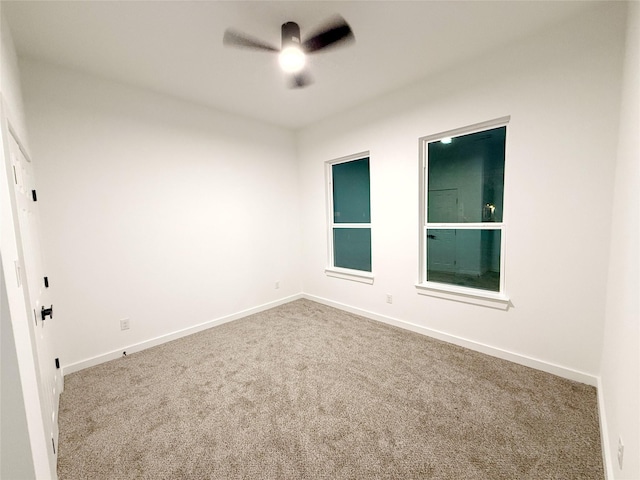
(293, 51)
(290, 35)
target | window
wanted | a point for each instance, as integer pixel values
(349, 218)
(462, 235)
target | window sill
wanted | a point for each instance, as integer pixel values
(465, 295)
(353, 275)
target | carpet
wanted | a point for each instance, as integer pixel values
(306, 391)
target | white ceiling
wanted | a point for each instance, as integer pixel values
(175, 47)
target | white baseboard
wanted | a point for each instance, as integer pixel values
(548, 367)
(520, 359)
(604, 435)
(137, 347)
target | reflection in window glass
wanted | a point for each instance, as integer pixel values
(349, 213)
(466, 178)
(352, 248)
(464, 257)
(464, 187)
(351, 192)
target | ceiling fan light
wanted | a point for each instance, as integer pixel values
(291, 59)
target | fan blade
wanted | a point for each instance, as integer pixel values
(237, 39)
(335, 30)
(300, 79)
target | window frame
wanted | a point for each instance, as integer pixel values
(331, 270)
(476, 296)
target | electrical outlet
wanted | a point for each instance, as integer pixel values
(124, 324)
(277, 285)
(620, 452)
(389, 298)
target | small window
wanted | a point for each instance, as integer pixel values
(349, 218)
(462, 211)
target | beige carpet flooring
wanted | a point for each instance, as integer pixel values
(305, 391)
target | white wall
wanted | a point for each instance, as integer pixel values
(620, 368)
(10, 81)
(156, 210)
(165, 212)
(561, 89)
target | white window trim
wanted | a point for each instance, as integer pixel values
(331, 270)
(473, 296)
(454, 292)
(348, 274)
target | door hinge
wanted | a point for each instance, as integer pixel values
(57, 363)
(34, 195)
(46, 312)
(46, 282)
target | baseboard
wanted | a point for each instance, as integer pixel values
(604, 435)
(137, 347)
(520, 359)
(542, 365)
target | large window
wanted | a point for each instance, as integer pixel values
(349, 218)
(462, 211)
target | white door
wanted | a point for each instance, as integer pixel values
(441, 250)
(443, 206)
(37, 294)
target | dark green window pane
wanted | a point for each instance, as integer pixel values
(352, 248)
(351, 192)
(466, 178)
(467, 258)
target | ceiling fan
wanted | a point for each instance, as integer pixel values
(293, 51)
